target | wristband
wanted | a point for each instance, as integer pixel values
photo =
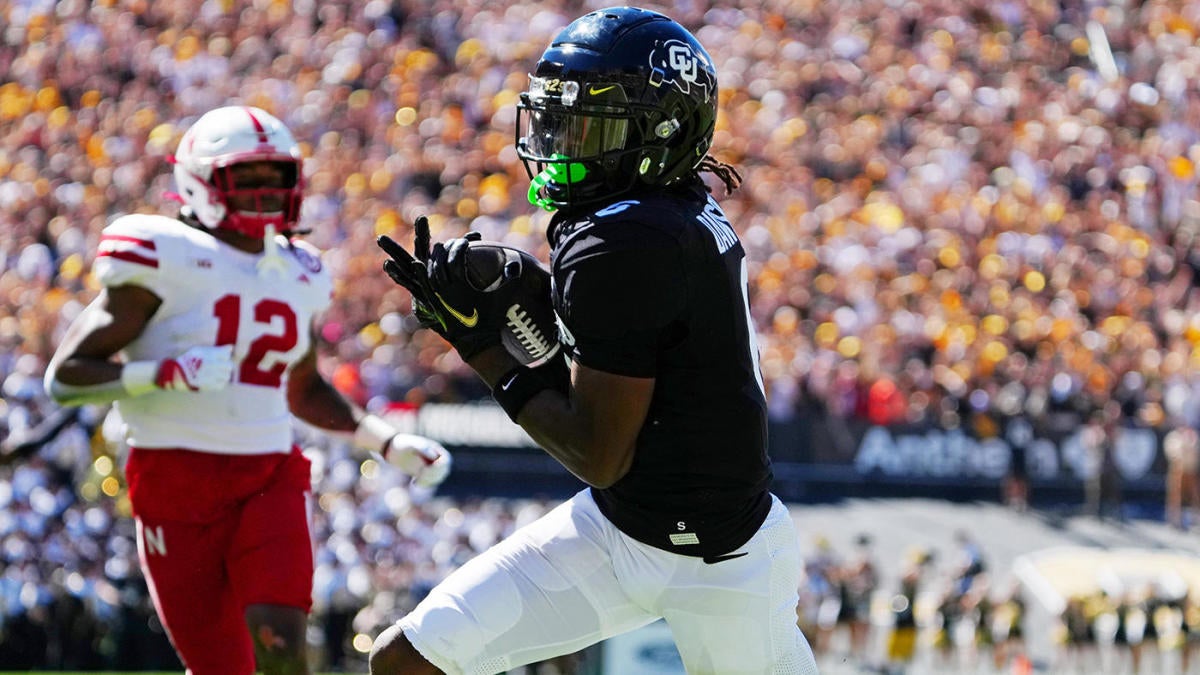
(374, 433)
(140, 377)
(516, 387)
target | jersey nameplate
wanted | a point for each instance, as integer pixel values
(715, 222)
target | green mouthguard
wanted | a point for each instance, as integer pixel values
(560, 173)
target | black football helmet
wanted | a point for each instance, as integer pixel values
(622, 97)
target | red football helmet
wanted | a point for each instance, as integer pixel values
(226, 137)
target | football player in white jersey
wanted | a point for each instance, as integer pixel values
(202, 335)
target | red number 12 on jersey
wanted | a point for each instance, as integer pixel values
(228, 311)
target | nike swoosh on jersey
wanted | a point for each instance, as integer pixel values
(468, 321)
(714, 559)
(595, 92)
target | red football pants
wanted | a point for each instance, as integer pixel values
(217, 533)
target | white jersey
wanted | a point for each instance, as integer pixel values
(214, 294)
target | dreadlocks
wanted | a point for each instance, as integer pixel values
(728, 175)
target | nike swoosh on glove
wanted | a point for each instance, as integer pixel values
(460, 288)
(412, 271)
(197, 369)
(494, 294)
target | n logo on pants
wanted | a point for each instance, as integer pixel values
(155, 543)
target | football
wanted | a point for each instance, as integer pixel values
(529, 333)
(487, 263)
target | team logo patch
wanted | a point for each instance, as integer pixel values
(310, 262)
(676, 63)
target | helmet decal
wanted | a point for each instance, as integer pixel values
(263, 140)
(676, 63)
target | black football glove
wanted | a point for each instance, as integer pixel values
(497, 288)
(411, 273)
(440, 309)
(470, 304)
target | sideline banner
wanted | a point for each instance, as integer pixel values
(1060, 448)
(814, 452)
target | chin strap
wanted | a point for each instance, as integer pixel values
(272, 262)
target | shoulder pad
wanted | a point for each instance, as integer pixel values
(136, 239)
(133, 248)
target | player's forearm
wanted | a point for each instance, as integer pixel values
(565, 431)
(79, 381)
(559, 429)
(319, 404)
(325, 408)
(82, 379)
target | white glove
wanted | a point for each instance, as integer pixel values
(425, 460)
(197, 369)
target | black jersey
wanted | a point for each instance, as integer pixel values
(655, 286)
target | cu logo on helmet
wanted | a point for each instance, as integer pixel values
(679, 65)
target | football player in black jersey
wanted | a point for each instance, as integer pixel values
(659, 406)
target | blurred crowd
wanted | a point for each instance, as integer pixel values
(953, 611)
(948, 206)
(951, 210)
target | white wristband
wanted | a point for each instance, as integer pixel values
(139, 377)
(373, 433)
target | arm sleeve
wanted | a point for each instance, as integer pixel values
(619, 298)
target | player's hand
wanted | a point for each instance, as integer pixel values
(448, 307)
(424, 459)
(408, 270)
(473, 309)
(197, 369)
